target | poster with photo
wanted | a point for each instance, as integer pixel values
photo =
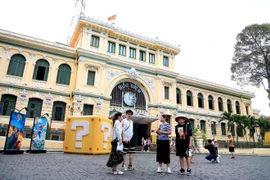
(15, 132)
(39, 133)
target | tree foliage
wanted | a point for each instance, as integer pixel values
(245, 123)
(251, 61)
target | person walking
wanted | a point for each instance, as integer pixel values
(116, 156)
(183, 132)
(163, 144)
(230, 144)
(129, 147)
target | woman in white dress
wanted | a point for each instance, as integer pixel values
(116, 156)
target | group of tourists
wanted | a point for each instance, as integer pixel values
(123, 144)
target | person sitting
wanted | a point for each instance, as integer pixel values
(213, 153)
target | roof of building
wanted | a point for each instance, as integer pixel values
(128, 33)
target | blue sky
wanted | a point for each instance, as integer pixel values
(206, 30)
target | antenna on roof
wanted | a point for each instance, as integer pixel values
(78, 12)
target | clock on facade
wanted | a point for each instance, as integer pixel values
(130, 98)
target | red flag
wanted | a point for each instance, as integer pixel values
(113, 17)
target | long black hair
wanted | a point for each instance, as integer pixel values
(116, 116)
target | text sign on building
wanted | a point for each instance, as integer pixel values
(127, 86)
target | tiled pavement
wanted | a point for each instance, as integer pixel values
(72, 166)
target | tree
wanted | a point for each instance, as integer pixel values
(251, 61)
(239, 121)
(228, 117)
(264, 126)
(251, 125)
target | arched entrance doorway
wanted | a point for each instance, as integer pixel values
(129, 95)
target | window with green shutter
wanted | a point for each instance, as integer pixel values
(132, 53)
(213, 127)
(166, 92)
(223, 129)
(7, 104)
(87, 109)
(178, 96)
(63, 74)
(16, 65)
(122, 50)
(111, 47)
(189, 98)
(142, 55)
(220, 104)
(165, 61)
(202, 125)
(59, 110)
(34, 107)
(200, 100)
(41, 70)
(94, 41)
(151, 58)
(91, 78)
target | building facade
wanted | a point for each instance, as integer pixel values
(105, 69)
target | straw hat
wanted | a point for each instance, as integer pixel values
(181, 116)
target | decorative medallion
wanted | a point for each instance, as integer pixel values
(23, 96)
(48, 100)
(79, 101)
(132, 73)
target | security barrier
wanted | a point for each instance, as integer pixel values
(88, 135)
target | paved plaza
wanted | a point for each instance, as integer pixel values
(72, 166)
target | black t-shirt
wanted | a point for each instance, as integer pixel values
(211, 148)
(183, 133)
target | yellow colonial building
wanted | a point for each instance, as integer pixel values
(106, 69)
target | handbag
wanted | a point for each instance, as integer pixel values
(119, 147)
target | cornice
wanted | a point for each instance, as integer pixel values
(36, 43)
(190, 81)
(130, 34)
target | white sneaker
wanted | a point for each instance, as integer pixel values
(120, 172)
(169, 170)
(159, 170)
(124, 167)
(218, 159)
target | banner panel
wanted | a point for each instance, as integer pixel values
(39, 133)
(15, 132)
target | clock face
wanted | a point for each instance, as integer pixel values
(130, 98)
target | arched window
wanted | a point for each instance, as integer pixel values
(229, 105)
(191, 122)
(189, 98)
(200, 101)
(178, 96)
(223, 129)
(213, 128)
(34, 107)
(63, 74)
(202, 125)
(210, 102)
(59, 109)
(237, 107)
(41, 70)
(16, 65)
(220, 104)
(7, 104)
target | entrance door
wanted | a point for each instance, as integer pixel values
(140, 130)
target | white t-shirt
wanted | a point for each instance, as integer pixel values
(117, 130)
(128, 128)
